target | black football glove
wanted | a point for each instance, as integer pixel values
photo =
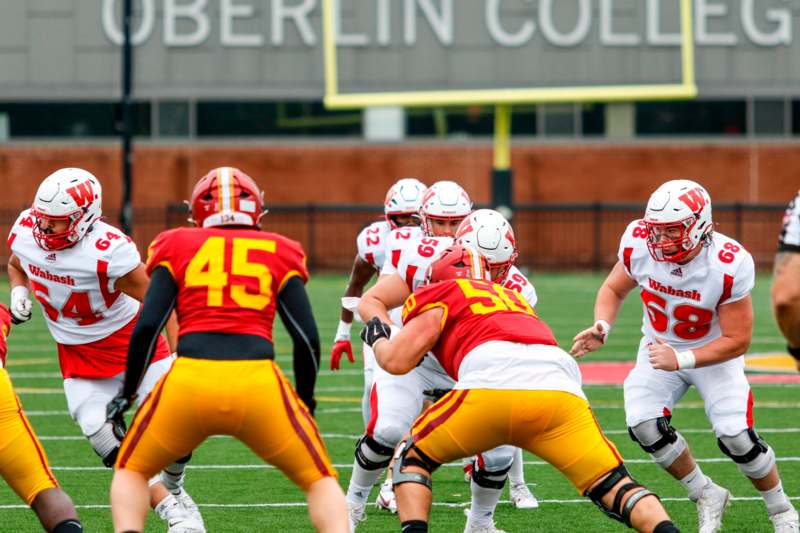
(375, 329)
(115, 413)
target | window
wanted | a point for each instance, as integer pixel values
(709, 117)
(71, 119)
(274, 118)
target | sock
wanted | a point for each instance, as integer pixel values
(68, 526)
(165, 505)
(776, 500)
(695, 482)
(484, 501)
(517, 475)
(414, 526)
(666, 527)
(172, 476)
(361, 482)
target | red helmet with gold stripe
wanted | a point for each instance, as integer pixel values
(226, 196)
(458, 262)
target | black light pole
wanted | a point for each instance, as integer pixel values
(126, 213)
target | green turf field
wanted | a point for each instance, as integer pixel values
(237, 493)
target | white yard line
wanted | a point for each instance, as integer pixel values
(345, 466)
(436, 504)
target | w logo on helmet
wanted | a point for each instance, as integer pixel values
(694, 199)
(82, 193)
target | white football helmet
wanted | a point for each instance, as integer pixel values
(488, 232)
(444, 200)
(71, 195)
(678, 220)
(403, 198)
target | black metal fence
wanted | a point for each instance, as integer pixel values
(549, 236)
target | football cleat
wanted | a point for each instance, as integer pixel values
(522, 497)
(386, 499)
(355, 514)
(786, 522)
(190, 507)
(710, 507)
(177, 518)
(486, 526)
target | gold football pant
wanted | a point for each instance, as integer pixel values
(557, 426)
(23, 463)
(249, 400)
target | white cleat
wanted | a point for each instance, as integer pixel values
(190, 507)
(177, 518)
(786, 522)
(386, 499)
(355, 514)
(710, 507)
(522, 497)
(480, 527)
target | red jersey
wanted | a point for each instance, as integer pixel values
(476, 312)
(228, 279)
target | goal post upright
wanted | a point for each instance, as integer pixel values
(503, 98)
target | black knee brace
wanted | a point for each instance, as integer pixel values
(619, 512)
(419, 459)
(489, 480)
(376, 448)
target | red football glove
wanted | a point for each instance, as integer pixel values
(340, 347)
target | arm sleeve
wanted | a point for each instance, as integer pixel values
(294, 308)
(158, 304)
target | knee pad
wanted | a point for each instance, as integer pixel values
(618, 511)
(754, 457)
(490, 479)
(409, 455)
(658, 438)
(372, 455)
(390, 430)
(106, 443)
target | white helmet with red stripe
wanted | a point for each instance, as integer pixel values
(488, 232)
(70, 195)
(444, 200)
(226, 196)
(678, 220)
(403, 198)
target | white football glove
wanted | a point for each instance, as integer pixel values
(20, 305)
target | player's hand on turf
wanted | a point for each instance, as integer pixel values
(341, 347)
(588, 341)
(20, 305)
(663, 356)
(374, 331)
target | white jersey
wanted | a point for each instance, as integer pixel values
(415, 256)
(371, 243)
(411, 259)
(516, 281)
(680, 301)
(396, 241)
(790, 235)
(75, 286)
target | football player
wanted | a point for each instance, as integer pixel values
(23, 463)
(786, 280)
(695, 287)
(226, 279)
(395, 402)
(89, 279)
(401, 209)
(512, 382)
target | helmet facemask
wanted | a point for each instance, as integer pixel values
(52, 241)
(671, 241)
